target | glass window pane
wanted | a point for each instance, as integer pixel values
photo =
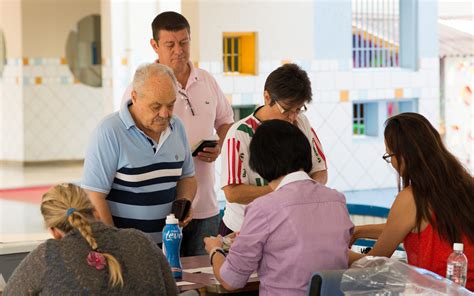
(229, 45)
(229, 64)
(236, 45)
(236, 63)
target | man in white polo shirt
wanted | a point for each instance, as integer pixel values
(287, 90)
(138, 160)
(204, 110)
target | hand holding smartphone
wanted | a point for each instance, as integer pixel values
(180, 208)
(203, 144)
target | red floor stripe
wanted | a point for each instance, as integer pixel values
(25, 194)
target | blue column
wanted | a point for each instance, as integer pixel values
(408, 50)
(332, 29)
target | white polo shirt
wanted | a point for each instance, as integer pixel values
(235, 161)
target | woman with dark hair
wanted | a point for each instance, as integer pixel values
(300, 227)
(434, 208)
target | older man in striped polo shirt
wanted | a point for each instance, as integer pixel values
(138, 160)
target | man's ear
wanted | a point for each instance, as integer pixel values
(266, 97)
(134, 96)
(154, 44)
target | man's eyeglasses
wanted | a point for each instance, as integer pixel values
(300, 110)
(188, 102)
(388, 157)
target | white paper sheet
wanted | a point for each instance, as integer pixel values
(183, 283)
(209, 270)
(200, 270)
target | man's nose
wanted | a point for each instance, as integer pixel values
(179, 48)
(164, 113)
(292, 116)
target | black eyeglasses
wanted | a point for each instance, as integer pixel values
(188, 102)
(388, 157)
(282, 110)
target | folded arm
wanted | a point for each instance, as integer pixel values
(244, 193)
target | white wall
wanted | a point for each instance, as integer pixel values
(45, 113)
(459, 109)
(128, 33)
(285, 33)
(284, 28)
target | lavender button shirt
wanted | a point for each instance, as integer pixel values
(288, 234)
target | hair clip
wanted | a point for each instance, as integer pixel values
(97, 260)
(70, 211)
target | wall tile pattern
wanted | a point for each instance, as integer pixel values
(54, 114)
(354, 163)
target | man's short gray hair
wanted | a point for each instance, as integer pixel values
(146, 71)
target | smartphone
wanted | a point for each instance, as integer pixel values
(204, 144)
(180, 208)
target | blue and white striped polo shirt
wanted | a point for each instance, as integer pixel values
(140, 183)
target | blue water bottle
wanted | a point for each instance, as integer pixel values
(172, 237)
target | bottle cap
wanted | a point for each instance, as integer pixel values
(458, 247)
(171, 219)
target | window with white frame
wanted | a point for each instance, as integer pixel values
(375, 33)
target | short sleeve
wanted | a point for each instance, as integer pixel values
(317, 154)
(234, 150)
(224, 113)
(101, 160)
(247, 249)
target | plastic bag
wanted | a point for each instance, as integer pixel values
(384, 276)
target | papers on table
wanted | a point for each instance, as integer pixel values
(398, 255)
(184, 283)
(208, 270)
(200, 270)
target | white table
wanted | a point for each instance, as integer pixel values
(15, 247)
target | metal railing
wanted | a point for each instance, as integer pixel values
(375, 33)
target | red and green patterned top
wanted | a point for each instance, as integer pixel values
(235, 161)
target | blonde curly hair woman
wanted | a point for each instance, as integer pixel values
(87, 256)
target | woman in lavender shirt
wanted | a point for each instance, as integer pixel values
(300, 227)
